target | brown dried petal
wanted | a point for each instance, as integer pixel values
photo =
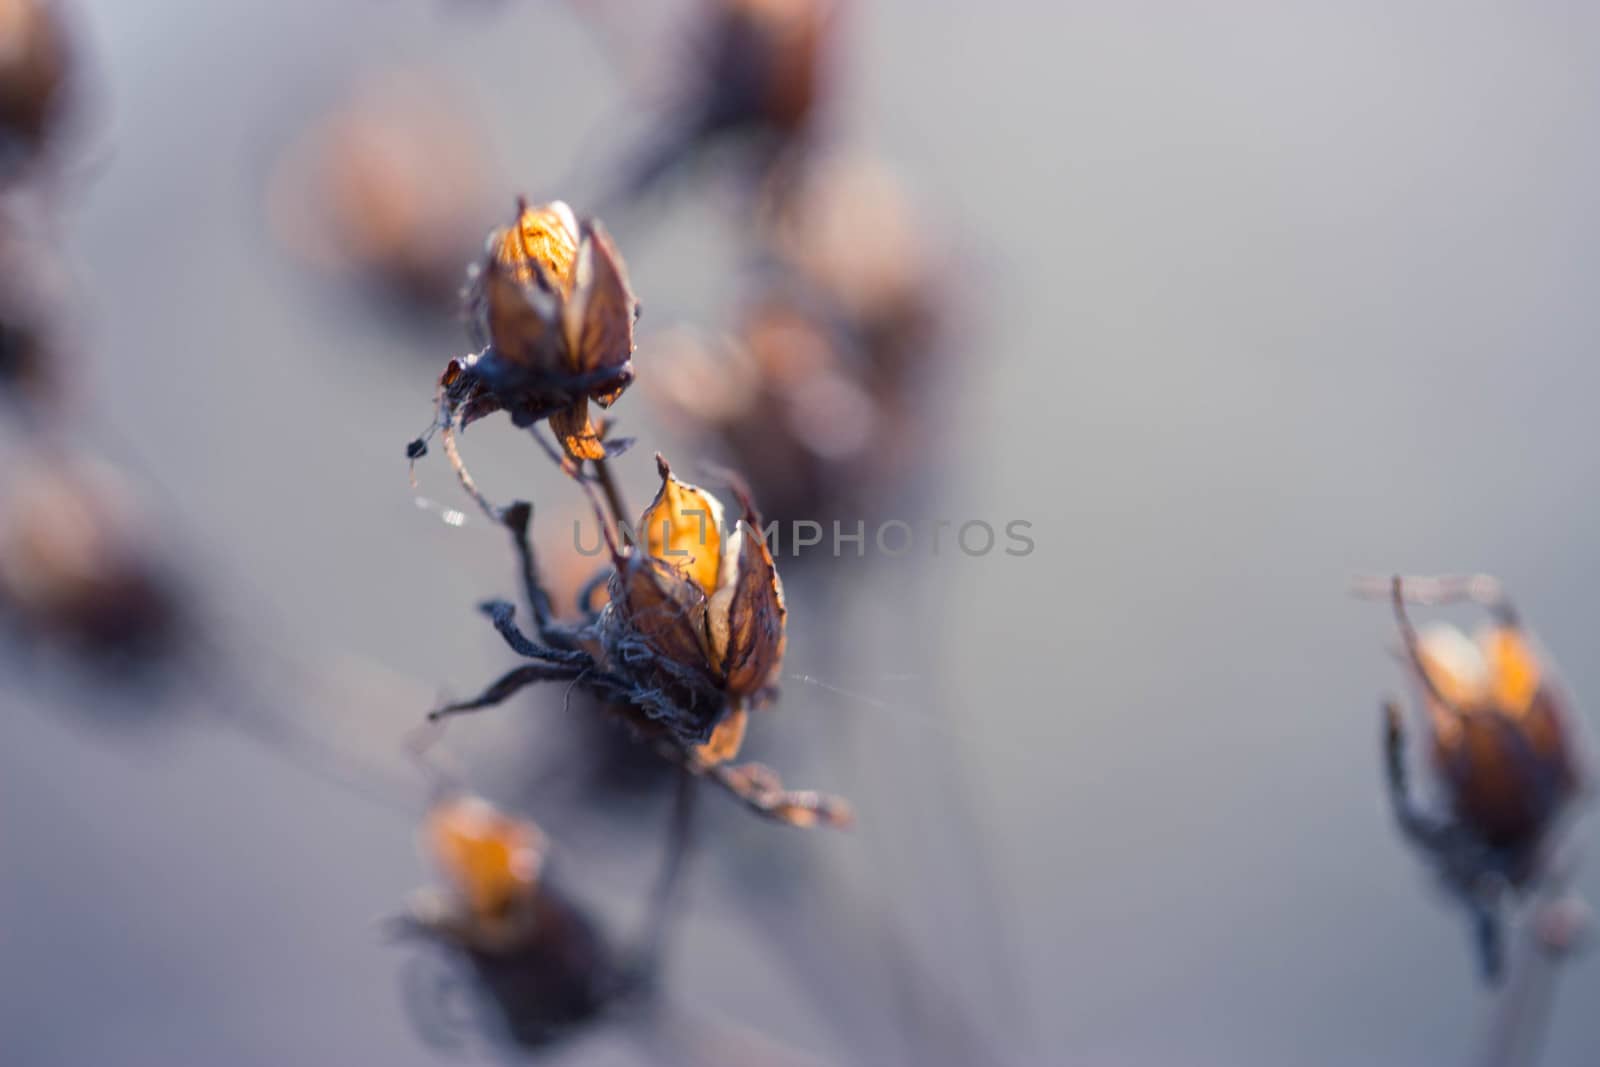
(746, 616)
(599, 316)
(520, 319)
(666, 609)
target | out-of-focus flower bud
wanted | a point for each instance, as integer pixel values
(388, 187)
(34, 65)
(534, 957)
(784, 395)
(490, 861)
(1500, 732)
(24, 359)
(758, 78)
(851, 233)
(76, 564)
(552, 306)
(696, 617)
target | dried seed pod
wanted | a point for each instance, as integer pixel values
(75, 565)
(553, 310)
(697, 617)
(34, 66)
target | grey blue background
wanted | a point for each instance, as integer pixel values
(1256, 296)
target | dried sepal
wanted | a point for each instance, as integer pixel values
(579, 437)
(726, 740)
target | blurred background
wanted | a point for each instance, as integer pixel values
(1235, 303)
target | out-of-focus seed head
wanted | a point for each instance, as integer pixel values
(768, 60)
(24, 359)
(76, 562)
(850, 230)
(35, 62)
(786, 395)
(388, 187)
(1501, 732)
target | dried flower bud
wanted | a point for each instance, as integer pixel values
(1499, 732)
(34, 61)
(553, 309)
(696, 617)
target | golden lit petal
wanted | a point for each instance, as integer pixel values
(726, 739)
(601, 312)
(1514, 671)
(489, 859)
(1455, 665)
(682, 527)
(542, 243)
(746, 616)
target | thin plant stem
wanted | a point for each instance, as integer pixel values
(613, 494)
(664, 898)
